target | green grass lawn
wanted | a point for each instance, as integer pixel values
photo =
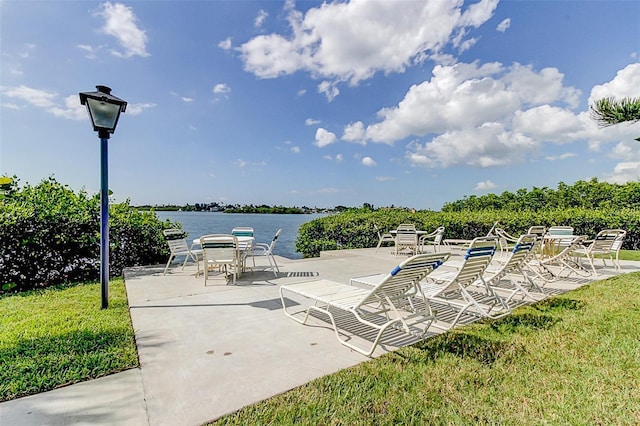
(569, 360)
(58, 336)
(629, 254)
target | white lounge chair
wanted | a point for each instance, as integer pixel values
(466, 290)
(220, 251)
(177, 241)
(607, 243)
(544, 267)
(388, 304)
(383, 237)
(512, 274)
(266, 250)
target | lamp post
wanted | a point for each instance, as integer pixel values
(104, 111)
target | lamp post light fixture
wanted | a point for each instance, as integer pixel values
(104, 110)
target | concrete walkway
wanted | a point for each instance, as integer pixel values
(206, 351)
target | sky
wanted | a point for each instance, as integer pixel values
(401, 103)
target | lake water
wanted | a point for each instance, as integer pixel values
(264, 226)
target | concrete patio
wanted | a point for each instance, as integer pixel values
(207, 351)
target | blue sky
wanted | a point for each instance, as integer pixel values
(405, 102)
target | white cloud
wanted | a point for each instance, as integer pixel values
(563, 156)
(385, 178)
(504, 25)
(120, 22)
(487, 146)
(484, 185)
(69, 107)
(368, 161)
(355, 132)
(625, 172)
(311, 122)
(626, 83)
(262, 16)
(339, 157)
(537, 88)
(460, 107)
(221, 88)
(225, 44)
(186, 100)
(626, 150)
(91, 51)
(137, 109)
(560, 125)
(324, 138)
(351, 41)
(329, 90)
(295, 149)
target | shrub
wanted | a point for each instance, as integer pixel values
(354, 228)
(50, 235)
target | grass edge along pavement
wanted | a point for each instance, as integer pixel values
(59, 336)
(569, 359)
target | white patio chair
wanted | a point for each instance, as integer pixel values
(434, 238)
(177, 241)
(537, 230)
(220, 251)
(383, 237)
(558, 234)
(266, 250)
(607, 243)
(406, 239)
(242, 231)
(379, 307)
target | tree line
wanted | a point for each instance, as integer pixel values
(591, 194)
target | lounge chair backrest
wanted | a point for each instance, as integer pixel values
(521, 251)
(403, 280)
(476, 259)
(567, 252)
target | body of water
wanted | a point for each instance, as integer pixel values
(264, 226)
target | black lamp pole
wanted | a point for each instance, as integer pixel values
(104, 111)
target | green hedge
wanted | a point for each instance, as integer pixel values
(354, 228)
(50, 235)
